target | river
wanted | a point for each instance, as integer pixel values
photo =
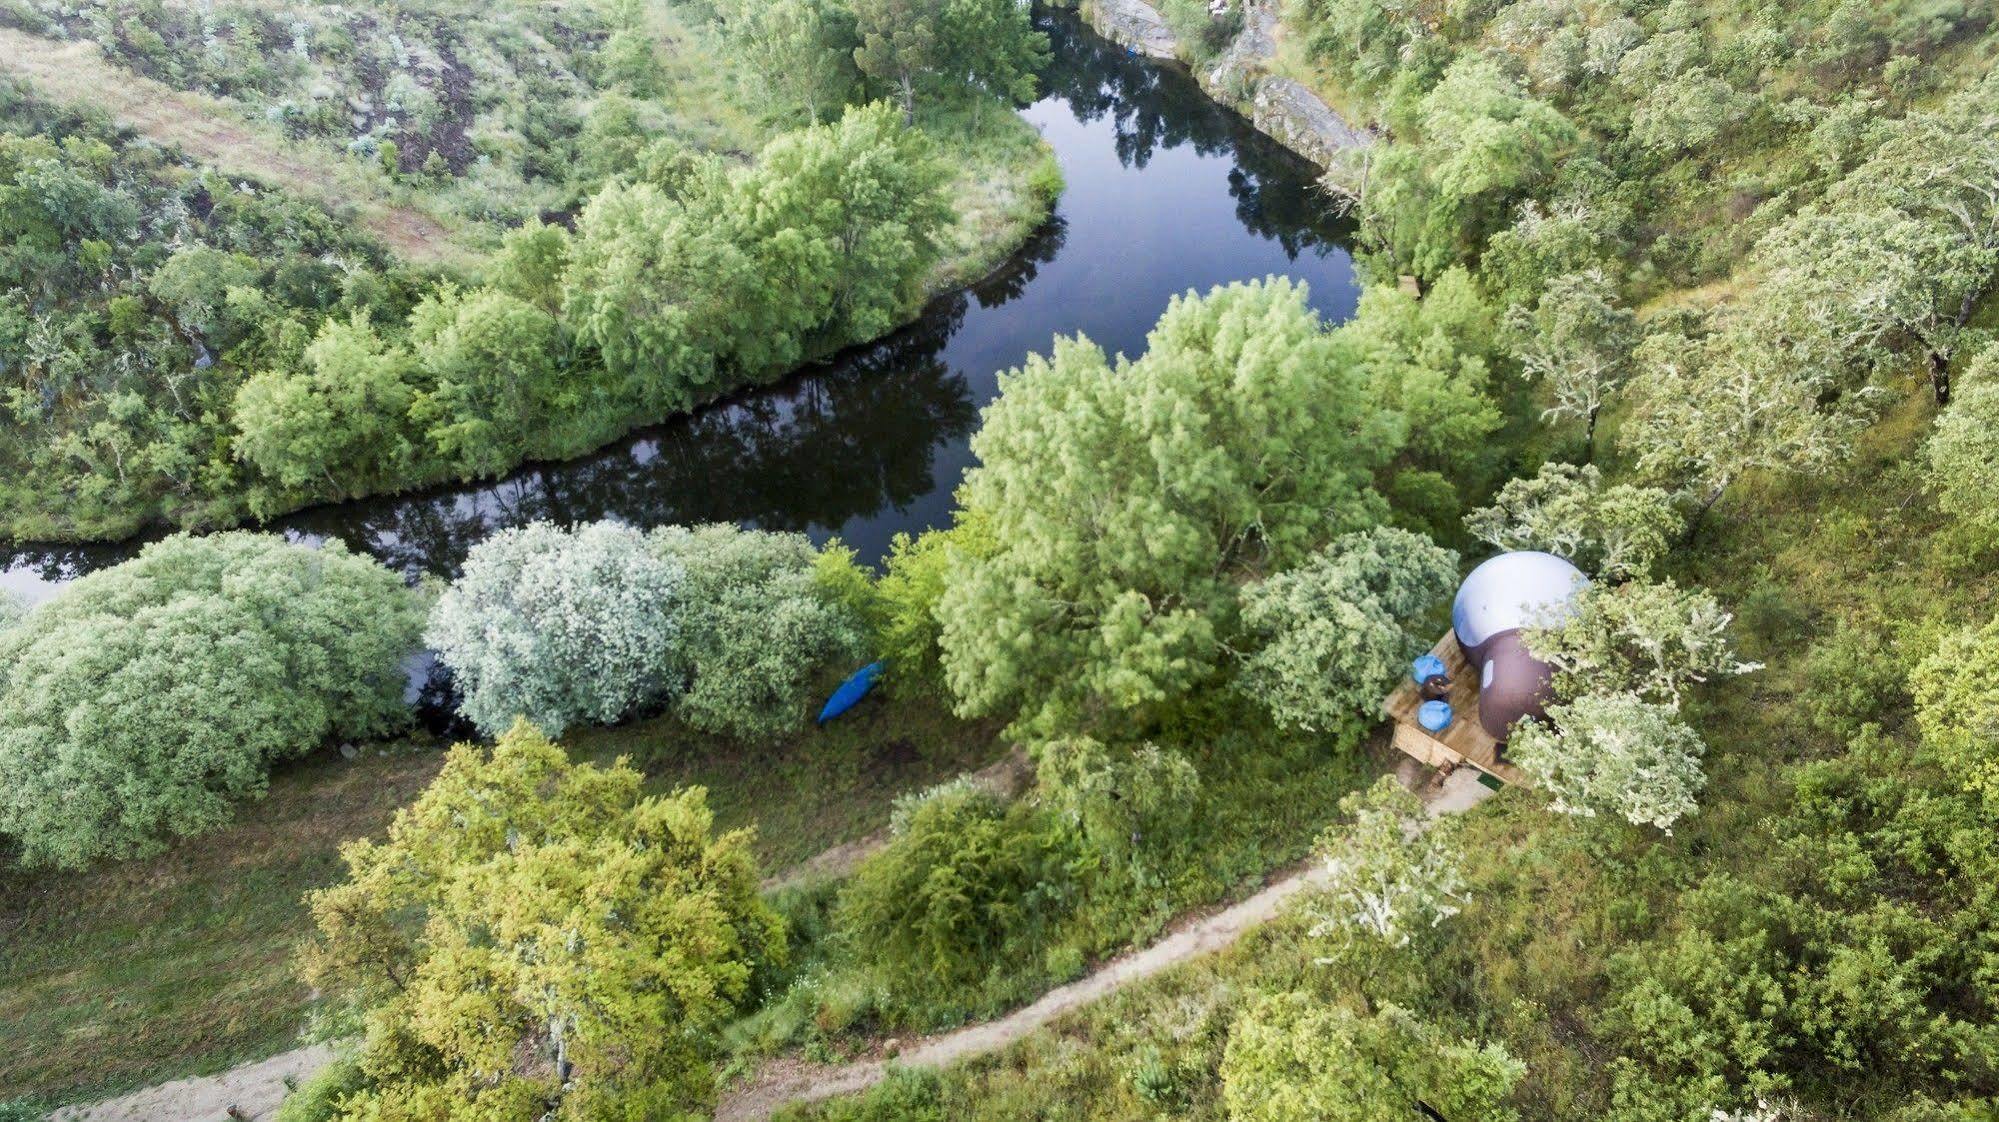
(1166, 192)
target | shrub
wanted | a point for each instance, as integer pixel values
(562, 626)
(1956, 688)
(960, 890)
(145, 698)
(1332, 635)
(1391, 876)
(1650, 639)
(1127, 805)
(318, 1098)
(1291, 1056)
(1616, 753)
(759, 624)
(1963, 451)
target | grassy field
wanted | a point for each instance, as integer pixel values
(143, 971)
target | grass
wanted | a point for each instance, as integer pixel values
(134, 973)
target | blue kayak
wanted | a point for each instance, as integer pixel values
(852, 691)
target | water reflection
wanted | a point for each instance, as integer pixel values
(1165, 192)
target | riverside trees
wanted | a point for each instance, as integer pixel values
(1124, 503)
(144, 700)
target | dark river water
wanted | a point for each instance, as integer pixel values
(1166, 192)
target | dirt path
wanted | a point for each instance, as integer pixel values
(256, 1089)
(212, 132)
(790, 1080)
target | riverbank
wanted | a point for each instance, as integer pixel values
(1242, 77)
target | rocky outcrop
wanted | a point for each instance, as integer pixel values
(1134, 24)
(1282, 108)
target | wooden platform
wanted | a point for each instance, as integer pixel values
(1463, 741)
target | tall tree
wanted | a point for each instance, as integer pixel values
(801, 51)
(541, 939)
(1577, 342)
(1126, 502)
(902, 42)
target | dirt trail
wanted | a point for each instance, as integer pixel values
(210, 131)
(255, 1089)
(790, 1080)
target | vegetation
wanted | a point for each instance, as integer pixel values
(731, 627)
(545, 920)
(1126, 502)
(148, 698)
(199, 352)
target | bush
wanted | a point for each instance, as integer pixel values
(1957, 704)
(318, 1098)
(760, 622)
(968, 885)
(1615, 753)
(1126, 805)
(146, 698)
(562, 626)
(603, 621)
(1332, 635)
(1963, 451)
(1291, 1056)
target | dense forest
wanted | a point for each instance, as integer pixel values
(1696, 295)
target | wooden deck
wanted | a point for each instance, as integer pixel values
(1463, 741)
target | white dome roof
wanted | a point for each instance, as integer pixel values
(1513, 590)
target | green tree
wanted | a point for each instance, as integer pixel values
(339, 420)
(800, 51)
(1653, 639)
(496, 385)
(1293, 1056)
(1614, 533)
(537, 938)
(1485, 144)
(1956, 687)
(1708, 410)
(1393, 872)
(145, 699)
(902, 42)
(1963, 449)
(842, 222)
(1614, 753)
(653, 285)
(560, 627)
(1126, 503)
(1427, 365)
(962, 885)
(1577, 342)
(1329, 637)
(759, 627)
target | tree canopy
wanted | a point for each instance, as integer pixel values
(1125, 501)
(537, 938)
(145, 699)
